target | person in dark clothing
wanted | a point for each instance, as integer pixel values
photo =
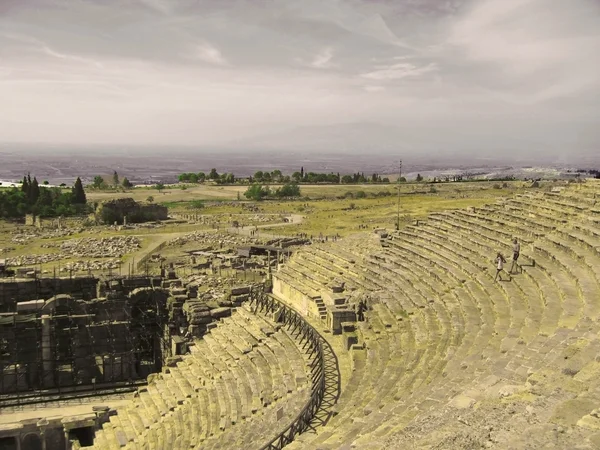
(360, 311)
(516, 253)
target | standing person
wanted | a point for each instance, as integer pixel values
(516, 253)
(360, 313)
(499, 265)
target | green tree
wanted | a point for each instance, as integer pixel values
(276, 175)
(288, 190)
(159, 187)
(150, 199)
(115, 178)
(258, 176)
(201, 177)
(79, 197)
(213, 175)
(98, 182)
(126, 183)
(297, 177)
(34, 191)
(25, 186)
(419, 178)
(257, 192)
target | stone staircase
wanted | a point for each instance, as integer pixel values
(454, 359)
(244, 381)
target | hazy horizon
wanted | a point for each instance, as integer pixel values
(520, 78)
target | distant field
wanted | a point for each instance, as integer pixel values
(175, 194)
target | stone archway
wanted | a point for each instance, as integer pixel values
(32, 441)
(149, 329)
(66, 342)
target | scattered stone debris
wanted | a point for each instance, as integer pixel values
(217, 240)
(29, 260)
(109, 247)
(22, 237)
(80, 265)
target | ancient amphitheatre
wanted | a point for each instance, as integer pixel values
(273, 355)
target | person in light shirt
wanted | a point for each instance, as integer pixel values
(499, 265)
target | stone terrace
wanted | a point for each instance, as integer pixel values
(447, 357)
(245, 381)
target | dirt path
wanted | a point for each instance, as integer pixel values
(153, 241)
(294, 219)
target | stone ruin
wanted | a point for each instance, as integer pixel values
(71, 335)
(127, 210)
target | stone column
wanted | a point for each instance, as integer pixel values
(47, 357)
(42, 425)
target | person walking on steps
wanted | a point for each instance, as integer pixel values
(499, 265)
(516, 253)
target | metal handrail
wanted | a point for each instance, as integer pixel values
(310, 338)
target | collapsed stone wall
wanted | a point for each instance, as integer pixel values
(15, 291)
(120, 335)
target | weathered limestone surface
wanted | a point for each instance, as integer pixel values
(454, 359)
(245, 380)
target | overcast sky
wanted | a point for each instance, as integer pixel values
(516, 75)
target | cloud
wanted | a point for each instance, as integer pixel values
(208, 53)
(323, 59)
(163, 7)
(150, 70)
(371, 88)
(399, 71)
(45, 49)
(543, 45)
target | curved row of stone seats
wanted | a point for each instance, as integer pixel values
(556, 287)
(242, 382)
(522, 340)
(392, 377)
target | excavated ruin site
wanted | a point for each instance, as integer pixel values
(381, 340)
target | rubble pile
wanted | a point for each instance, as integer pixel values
(21, 237)
(109, 247)
(217, 240)
(84, 266)
(30, 260)
(211, 305)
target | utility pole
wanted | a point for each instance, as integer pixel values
(398, 183)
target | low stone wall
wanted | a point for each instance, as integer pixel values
(294, 297)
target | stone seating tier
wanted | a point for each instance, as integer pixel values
(461, 350)
(245, 379)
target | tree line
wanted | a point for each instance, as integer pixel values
(258, 192)
(201, 177)
(33, 198)
(277, 177)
